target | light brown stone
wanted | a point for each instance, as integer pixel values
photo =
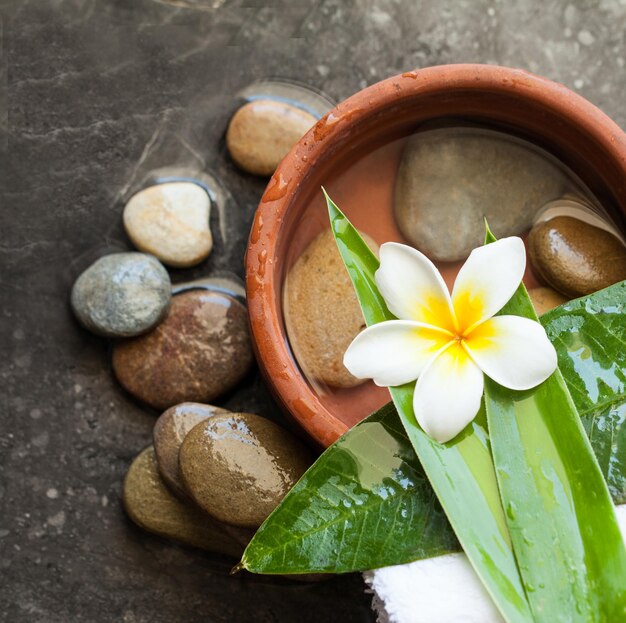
(168, 434)
(322, 314)
(151, 505)
(238, 467)
(262, 132)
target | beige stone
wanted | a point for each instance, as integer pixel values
(262, 132)
(171, 221)
(322, 314)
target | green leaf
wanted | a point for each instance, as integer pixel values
(460, 472)
(561, 519)
(366, 499)
(315, 529)
(589, 335)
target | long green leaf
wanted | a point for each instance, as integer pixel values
(460, 472)
(561, 519)
(373, 470)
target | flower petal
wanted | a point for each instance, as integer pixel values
(393, 352)
(448, 394)
(513, 351)
(487, 281)
(412, 286)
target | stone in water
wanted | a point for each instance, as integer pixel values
(451, 179)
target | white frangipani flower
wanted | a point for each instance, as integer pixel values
(447, 342)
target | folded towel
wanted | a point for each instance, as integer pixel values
(437, 590)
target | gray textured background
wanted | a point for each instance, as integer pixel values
(99, 91)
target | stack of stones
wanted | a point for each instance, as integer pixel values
(211, 476)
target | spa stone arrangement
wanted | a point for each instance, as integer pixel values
(212, 477)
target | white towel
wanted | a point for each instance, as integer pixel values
(437, 590)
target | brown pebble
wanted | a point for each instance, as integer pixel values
(322, 313)
(168, 434)
(262, 132)
(574, 257)
(200, 351)
(151, 506)
(545, 299)
(238, 467)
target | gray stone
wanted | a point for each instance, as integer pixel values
(122, 295)
(451, 179)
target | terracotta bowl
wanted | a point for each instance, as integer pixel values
(546, 113)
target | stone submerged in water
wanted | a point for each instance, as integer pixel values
(262, 132)
(170, 431)
(322, 314)
(451, 179)
(151, 506)
(122, 295)
(171, 221)
(544, 299)
(239, 466)
(575, 257)
(200, 351)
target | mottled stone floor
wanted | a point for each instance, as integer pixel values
(97, 93)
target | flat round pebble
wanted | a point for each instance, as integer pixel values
(544, 299)
(574, 257)
(262, 132)
(451, 179)
(122, 295)
(168, 434)
(171, 221)
(151, 506)
(322, 314)
(238, 467)
(200, 351)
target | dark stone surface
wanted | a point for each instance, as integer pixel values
(98, 92)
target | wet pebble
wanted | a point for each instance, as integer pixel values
(451, 179)
(171, 221)
(239, 466)
(122, 295)
(575, 257)
(150, 505)
(168, 434)
(322, 313)
(200, 351)
(262, 132)
(544, 299)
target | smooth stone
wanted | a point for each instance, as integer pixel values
(451, 179)
(168, 434)
(544, 299)
(574, 257)
(238, 467)
(199, 352)
(262, 132)
(122, 295)
(171, 221)
(150, 504)
(322, 314)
